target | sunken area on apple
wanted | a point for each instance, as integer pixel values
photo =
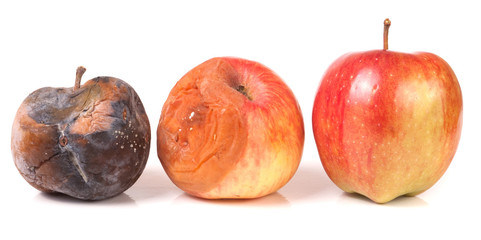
(230, 128)
(90, 143)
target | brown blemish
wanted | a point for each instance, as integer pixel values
(198, 108)
(56, 147)
(242, 89)
(63, 141)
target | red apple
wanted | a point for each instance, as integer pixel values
(230, 128)
(387, 123)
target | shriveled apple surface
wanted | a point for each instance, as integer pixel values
(90, 143)
(203, 132)
(230, 128)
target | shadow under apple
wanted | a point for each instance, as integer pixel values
(308, 183)
(152, 184)
(119, 200)
(272, 200)
(401, 201)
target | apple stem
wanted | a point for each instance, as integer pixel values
(78, 77)
(387, 24)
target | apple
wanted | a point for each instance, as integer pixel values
(90, 142)
(386, 123)
(230, 128)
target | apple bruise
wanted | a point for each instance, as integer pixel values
(201, 133)
(359, 139)
(262, 128)
(78, 142)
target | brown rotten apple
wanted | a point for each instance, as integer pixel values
(90, 142)
(387, 123)
(230, 128)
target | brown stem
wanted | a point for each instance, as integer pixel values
(78, 77)
(387, 24)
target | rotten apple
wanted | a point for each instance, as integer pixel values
(230, 128)
(90, 142)
(386, 123)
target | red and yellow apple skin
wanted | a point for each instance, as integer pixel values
(386, 123)
(230, 128)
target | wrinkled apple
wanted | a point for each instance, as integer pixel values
(90, 142)
(230, 128)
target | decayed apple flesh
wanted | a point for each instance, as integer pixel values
(90, 143)
(201, 131)
(225, 134)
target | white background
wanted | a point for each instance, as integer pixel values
(152, 44)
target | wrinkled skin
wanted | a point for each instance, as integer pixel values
(230, 128)
(90, 143)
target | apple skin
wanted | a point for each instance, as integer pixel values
(386, 123)
(90, 143)
(230, 128)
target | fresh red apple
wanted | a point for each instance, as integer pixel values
(90, 142)
(386, 123)
(230, 128)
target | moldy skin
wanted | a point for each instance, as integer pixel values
(230, 128)
(387, 124)
(90, 143)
